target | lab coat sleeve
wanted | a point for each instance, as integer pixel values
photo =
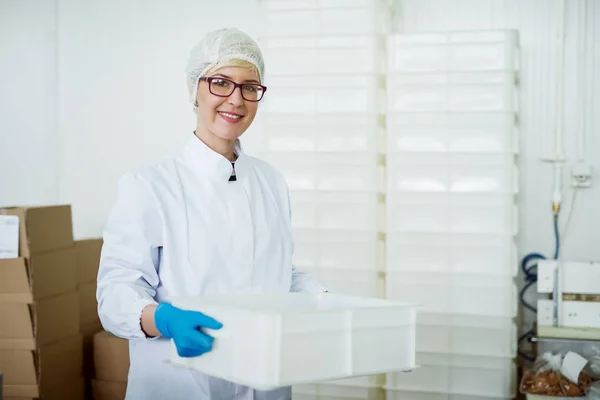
(305, 282)
(128, 277)
(302, 281)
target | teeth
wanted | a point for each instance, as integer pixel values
(230, 115)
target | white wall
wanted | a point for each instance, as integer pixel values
(537, 23)
(28, 102)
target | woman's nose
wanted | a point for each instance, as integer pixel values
(236, 98)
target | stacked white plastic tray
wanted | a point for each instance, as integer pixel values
(323, 124)
(324, 120)
(451, 209)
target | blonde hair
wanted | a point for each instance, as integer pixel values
(234, 62)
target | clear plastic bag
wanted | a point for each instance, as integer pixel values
(549, 377)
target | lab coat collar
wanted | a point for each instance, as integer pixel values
(209, 164)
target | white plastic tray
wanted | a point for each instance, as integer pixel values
(477, 335)
(452, 172)
(408, 395)
(273, 340)
(454, 293)
(485, 376)
(484, 254)
(289, 132)
(456, 51)
(363, 283)
(480, 132)
(326, 17)
(335, 392)
(328, 171)
(308, 94)
(337, 249)
(435, 92)
(325, 55)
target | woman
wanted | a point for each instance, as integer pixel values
(208, 220)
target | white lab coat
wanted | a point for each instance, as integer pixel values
(180, 228)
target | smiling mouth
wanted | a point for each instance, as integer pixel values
(229, 115)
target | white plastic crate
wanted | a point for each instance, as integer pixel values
(308, 94)
(484, 254)
(310, 4)
(437, 92)
(339, 210)
(493, 132)
(335, 392)
(368, 381)
(274, 340)
(349, 171)
(362, 283)
(452, 172)
(323, 132)
(471, 375)
(454, 293)
(325, 55)
(337, 249)
(329, 171)
(466, 335)
(298, 168)
(327, 18)
(451, 213)
(457, 51)
(406, 395)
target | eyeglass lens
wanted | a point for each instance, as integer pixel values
(224, 87)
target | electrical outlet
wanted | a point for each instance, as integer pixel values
(581, 174)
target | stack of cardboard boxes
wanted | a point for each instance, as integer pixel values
(111, 363)
(41, 349)
(88, 260)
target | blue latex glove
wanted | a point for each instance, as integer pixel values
(184, 327)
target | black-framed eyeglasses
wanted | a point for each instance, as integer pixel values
(224, 87)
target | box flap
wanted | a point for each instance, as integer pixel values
(91, 329)
(44, 275)
(111, 357)
(43, 228)
(56, 318)
(88, 259)
(18, 367)
(72, 391)
(14, 281)
(19, 332)
(44, 322)
(54, 273)
(88, 306)
(60, 362)
(27, 391)
(103, 390)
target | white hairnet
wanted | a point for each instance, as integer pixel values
(217, 46)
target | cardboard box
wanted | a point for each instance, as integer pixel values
(88, 305)
(88, 332)
(88, 259)
(42, 229)
(104, 390)
(32, 373)
(67, 391)
(34, 325)
(41, 276)
(111, 357)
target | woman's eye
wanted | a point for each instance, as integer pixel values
(220, 82)
(250, 88)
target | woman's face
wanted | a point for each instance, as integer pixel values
(226, 117)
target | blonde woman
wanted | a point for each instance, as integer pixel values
(207, 220)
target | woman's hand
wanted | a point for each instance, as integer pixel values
(185, 328)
